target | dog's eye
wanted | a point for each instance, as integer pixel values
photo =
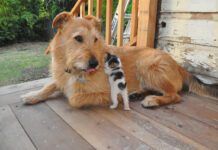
(79, 38)
(96, 39)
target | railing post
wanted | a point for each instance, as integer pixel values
(90, 7)
(82, 10)
(120, 23)
(146, 22)
(108, 21)
(134, 20)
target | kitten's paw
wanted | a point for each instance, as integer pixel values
(31, 97)
(113, 106)
(127, 108)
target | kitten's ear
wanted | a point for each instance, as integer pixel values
(107, 56)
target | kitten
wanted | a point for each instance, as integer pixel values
(113, 68)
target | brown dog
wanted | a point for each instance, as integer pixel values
(78, 52)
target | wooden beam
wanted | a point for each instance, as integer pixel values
(82, 9)
(134, 21)
(108, 21)
(90, 7)
(146, 22)
(120, 23)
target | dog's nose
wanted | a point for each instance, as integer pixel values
(93, 63)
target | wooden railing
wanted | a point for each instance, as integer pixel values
(143, 20)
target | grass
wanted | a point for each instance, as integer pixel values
(23, 62)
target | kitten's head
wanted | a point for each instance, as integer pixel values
(112, 61)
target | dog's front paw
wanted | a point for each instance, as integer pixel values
(31, 97)
(150, 101)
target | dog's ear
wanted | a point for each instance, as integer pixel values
(60, 19)
(95, 21)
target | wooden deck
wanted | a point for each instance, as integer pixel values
(192, 124)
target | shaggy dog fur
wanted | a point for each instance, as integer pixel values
(78, 40)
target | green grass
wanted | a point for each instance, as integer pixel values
(23, 62)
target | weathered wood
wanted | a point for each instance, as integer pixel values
(193, 129)
(134, 20)
(46, 129)
(146, 23)
(98, 131)
(82, 9)
(24, 86)
(90, 7)
(108, 21)
(156, 136)
(195, 58)
(189, 6)
(12, 135)
(120, 23)
(189, 28)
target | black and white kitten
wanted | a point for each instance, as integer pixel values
(113, 68)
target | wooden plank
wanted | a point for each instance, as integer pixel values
(14, 97)
(143, 128)
(200, 109)
(108, 21)
(82, 9)
(195, 58)
(120, 23)
(189, 6)
(99, 9)
(98, 131)
(146, 23)
(193, 129)
(90, 7)
(24, 86)
(189, 28)
(46, 129)
(134, 20)
(12, 135)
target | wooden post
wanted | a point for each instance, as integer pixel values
(146, 23)
(82, 10)
(108, 21)
(90, 7)
(120, 23)
(134, 21)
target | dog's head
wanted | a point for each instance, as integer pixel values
(78, 43)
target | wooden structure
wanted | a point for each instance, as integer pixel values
(191, 124)
(142, 23)
(188, 30)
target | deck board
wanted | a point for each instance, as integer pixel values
(191, 124)
(193, 129)
(12, 135)
(98, 131)
(47, 130)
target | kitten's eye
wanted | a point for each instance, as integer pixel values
(95, 39)
(79, 38)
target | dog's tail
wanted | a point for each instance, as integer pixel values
(192, 84)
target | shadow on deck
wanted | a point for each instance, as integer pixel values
(191, 124)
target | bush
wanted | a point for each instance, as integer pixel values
(24, 20)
